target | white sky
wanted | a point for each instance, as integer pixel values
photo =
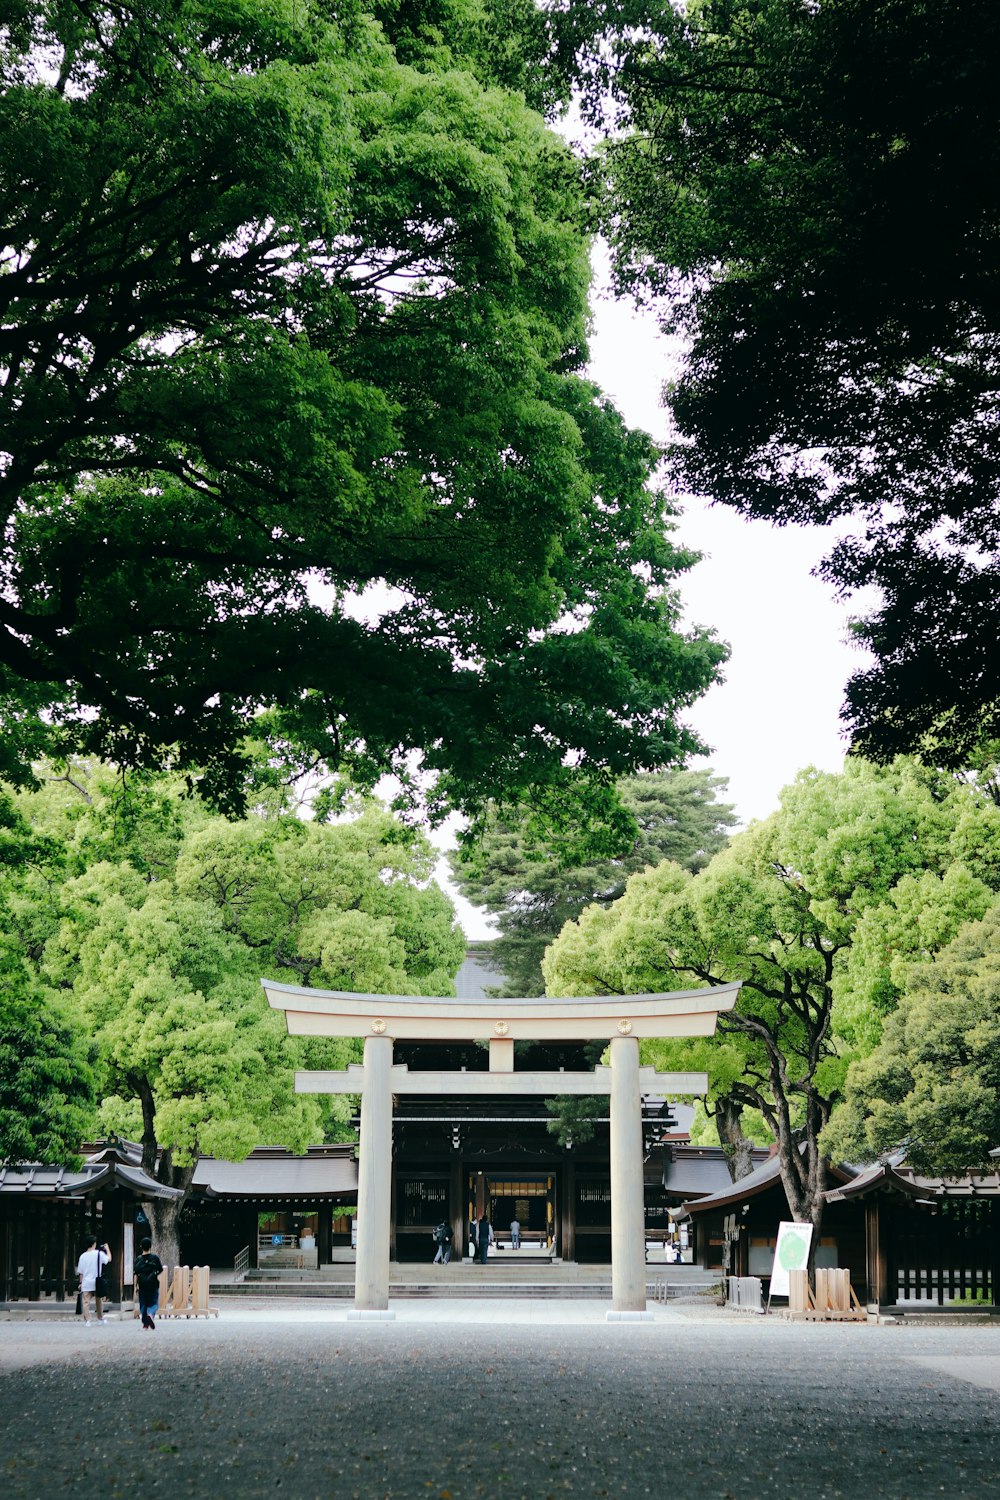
(778, 709)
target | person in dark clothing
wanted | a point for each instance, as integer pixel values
(147, 1270)
(443, 1238)
(485, 1234)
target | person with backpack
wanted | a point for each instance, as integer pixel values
(147, 1270)
(443, 1238)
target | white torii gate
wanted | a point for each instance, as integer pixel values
(618, 1019)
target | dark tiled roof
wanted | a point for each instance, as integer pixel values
(329, 1172)
(36, 1181)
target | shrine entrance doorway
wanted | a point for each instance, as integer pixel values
(528, 1197)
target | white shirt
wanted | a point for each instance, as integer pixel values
(89, 1267)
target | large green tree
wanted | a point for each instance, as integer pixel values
(154, 934)
(533, 892)
(933, 1082)
(810, 191)
(292, 312)
(780, 909)
(47, 1085)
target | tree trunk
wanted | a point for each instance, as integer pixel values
(736, 1148)
(164, 1213)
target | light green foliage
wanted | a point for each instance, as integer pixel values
(157, 954)
(342, 906)
(294, 306)
(46, 1079)
(919, 916)
(173, 1004)
(869, 851)
(934, 1080)
(533, 891)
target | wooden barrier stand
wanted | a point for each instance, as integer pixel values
(834, 1301)
(182, 1295)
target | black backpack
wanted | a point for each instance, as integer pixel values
(147, 1270)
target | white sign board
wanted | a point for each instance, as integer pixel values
(791, 1253)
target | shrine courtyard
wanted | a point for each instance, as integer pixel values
(500, 1399)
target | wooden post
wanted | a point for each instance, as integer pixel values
(324, 1234)
(456, 1206)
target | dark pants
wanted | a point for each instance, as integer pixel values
(149, 1305)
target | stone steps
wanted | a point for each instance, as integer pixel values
(462, 1280)
(408, 1289)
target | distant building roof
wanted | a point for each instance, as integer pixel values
(766, 1175)
(477, 975)
(271, 1174)
(697, 1171)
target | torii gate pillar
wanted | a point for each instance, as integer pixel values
(371, 1287)
(628, 1220)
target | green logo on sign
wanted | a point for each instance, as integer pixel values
(793, 1252)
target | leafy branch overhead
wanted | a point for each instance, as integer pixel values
(808, 191)
(293, 308)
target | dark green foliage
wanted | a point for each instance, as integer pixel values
(814, 190)
(533, 893)
(286, 313)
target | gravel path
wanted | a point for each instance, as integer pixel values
(453, 1403)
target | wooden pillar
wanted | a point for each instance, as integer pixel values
(324, 1234)
(628, 1225)
(371, 1281)
(567, 1178)
(876, 1266)
(113, 1232)
(456, 1206)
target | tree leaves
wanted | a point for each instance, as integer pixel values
(289, 315)
(811, 191)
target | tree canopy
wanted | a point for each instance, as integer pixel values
(293, 309)
(810, 191)
(533, 892)
(47, 1084)
(148, 937)
(933, 1083)
(781, 909)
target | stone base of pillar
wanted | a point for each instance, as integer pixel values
(370, 1315)
(629, 1317)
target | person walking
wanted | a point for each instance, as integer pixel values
(90, 1269)
(147, 1270)
(515, 1234)
(443, 1238)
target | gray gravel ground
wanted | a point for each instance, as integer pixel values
(452, 1404)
